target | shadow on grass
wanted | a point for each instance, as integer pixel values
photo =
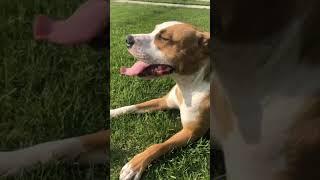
(71, 171)
(218, 171)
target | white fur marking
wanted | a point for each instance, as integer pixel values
(128, 174)
(193, 90)
(172, 100)
(144, 47)
(122, 110)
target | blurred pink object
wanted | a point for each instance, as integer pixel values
(85, 24)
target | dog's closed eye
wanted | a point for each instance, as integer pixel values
(162, 37)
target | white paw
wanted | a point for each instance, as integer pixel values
(112, 113)
(127, 173)
(122, 110)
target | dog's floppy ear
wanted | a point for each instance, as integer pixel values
(205, 41)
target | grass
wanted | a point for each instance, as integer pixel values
(193, 2)
(131, 134)
(47, 92)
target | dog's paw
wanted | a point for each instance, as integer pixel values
(134, 168)
(112, 113)
(128, 172)
(117, 112)
(122, 110)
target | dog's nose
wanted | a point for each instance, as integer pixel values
(129, 41)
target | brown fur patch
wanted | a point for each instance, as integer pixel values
(97, 140)
(205, 109)
(185, 47)
(303, 146)
(179, 95)
(153, 105)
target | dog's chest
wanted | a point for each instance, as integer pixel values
(280, 106)
(266, 157)
(189, 101)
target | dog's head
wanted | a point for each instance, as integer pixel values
(172, 47)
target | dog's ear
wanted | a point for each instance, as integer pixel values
(205, 41)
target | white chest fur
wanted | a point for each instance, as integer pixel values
(263, 160)
(190, 107)
(192, 92)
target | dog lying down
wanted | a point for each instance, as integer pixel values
(181, 51)
(173, 48)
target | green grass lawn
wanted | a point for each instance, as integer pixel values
(47, 92)
(133, 133)
(195, 2)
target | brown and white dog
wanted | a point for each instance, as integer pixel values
(266, 105)
(181, 51)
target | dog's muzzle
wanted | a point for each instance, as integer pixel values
(129, 41)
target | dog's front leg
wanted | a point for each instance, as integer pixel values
(135, 167)
(88, 149)
(148, 106)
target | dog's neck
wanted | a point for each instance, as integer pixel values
(198, 81)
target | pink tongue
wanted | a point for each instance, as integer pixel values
(137, 68)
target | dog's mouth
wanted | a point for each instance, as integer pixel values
(142, 69)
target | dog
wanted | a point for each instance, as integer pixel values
(181, 51)
(265, 88)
